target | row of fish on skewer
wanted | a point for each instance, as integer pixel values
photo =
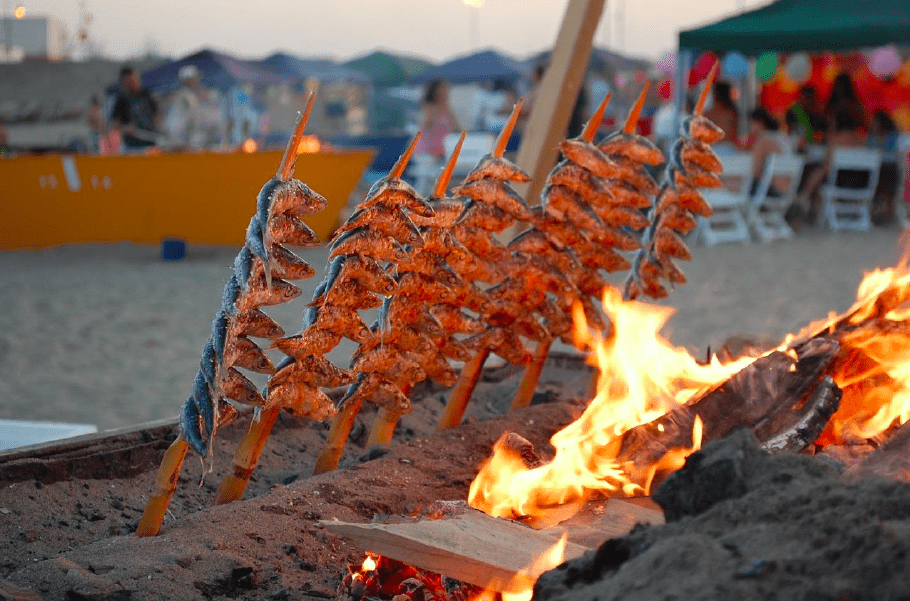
(445, 286)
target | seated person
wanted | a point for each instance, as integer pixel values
(769, 139)
(845, 132)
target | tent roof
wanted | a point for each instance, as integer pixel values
(488, 65)
(600, 59)
(219, 71)
(321, 69)
(791, 25)
(388, 70)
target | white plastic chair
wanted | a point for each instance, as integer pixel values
(728, 223)
(847, 207)
(766, 212)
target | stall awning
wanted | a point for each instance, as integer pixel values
(792, 25)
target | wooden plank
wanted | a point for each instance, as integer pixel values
(476, 548)
(557, 94)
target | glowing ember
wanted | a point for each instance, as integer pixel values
(642, 376)
(369, 564)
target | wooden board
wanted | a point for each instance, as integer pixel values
(476, 548)
(557, 94)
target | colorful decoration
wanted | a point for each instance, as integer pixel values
(665, 89)
(734, 66)
(667, 63)
(702, 67)
(766, 66)
(884, 62)
(799, 67)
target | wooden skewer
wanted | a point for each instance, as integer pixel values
(632, 121)
(165, 485)
(384, 423)
(454, 410)
(531, 375)
(503, 140)
(342, 424)
(247, 456)
(286, 168)
(591, 126)
(709, 83)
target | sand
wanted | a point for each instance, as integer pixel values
(110, 334)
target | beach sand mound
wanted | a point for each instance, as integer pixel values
(743, 524)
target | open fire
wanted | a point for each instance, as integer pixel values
(642, 376)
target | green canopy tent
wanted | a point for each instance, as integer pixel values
(792, 25)
(797, 25)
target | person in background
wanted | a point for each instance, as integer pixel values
(437, 120)
(724, 114)
(769, 139)
(579, 112)
(187, 108)
(844, 99)
(95, 120)
(845, 133)
(804, 119)
(135, 113)
(883, 133)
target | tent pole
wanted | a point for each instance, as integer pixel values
(683, 65)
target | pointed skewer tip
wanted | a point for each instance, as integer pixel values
(402, 164)
(503, 140)
(443, 182)
(632, 121)
(290, 153)
(592, 126)
(709, 83)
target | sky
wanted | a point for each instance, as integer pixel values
(436, 29)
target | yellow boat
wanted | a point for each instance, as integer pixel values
(204, 198)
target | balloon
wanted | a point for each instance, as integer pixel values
(766, 66)
(734, 66)
(242, 98)
(667, 63)
(621, 81)
(702, 68)
(884, 62)
(666, 89)
(799, 67)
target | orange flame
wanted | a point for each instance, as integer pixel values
(642, 376)
(521, 586)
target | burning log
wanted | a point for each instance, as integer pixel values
(260, 273)
(783, 397)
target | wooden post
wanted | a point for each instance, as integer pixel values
(461, 392)
(531, 376)
(165, 485)
(247, 456)
(557, 94)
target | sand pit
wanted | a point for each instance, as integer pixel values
(110, 334)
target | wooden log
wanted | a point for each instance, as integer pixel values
(476, 548)
(766, 396)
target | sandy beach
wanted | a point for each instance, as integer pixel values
(110, 334)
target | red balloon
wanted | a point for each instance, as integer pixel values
(701, 68)
(665, 89)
